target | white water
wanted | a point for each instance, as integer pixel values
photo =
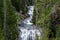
(27, 29)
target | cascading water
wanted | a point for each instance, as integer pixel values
(27, 30)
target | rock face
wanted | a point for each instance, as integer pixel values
(28, 31)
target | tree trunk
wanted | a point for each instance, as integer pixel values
(5, 11)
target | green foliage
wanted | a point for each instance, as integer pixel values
(58, 32)
(58, 25)
(1, 20)
(11, 19)
(44, 8)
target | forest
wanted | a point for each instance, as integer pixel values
(46, 16)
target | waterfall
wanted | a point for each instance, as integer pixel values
(27, 30)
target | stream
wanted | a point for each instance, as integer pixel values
(28, 31)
